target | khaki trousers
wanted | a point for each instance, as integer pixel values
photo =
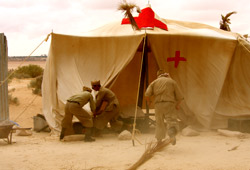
(74, 109)
(100, 122)
(164, 112)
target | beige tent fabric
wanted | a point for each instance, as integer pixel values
(235, 96)
(214, 79)
(76, 61)
(202, 76)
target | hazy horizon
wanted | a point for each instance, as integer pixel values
(26, 23)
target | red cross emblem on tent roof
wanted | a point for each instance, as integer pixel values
(146, 19)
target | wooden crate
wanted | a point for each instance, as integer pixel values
(239, 124)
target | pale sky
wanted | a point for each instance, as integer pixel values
(26, 23)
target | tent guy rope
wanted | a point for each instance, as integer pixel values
(46, 39)
(25, 108)
(243, 45)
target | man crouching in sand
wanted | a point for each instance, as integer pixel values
(74, 108)
(111, 111)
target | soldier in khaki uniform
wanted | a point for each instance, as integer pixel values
(74, 108)
(167, 100)
(111, 109)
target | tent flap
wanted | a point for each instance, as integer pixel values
(76, 61)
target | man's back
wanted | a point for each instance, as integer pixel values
(83, 98)
(164, 89)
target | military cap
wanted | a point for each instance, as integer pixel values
(95, 83)
(85, 88)
(162, 73)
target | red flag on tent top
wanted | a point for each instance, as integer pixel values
(146, 19)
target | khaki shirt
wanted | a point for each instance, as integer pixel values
(83, 98)
(108, 96)
(164, 89)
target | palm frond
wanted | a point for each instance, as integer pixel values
(225, 21)
(151, 149)
(246, 35)
(127, 8)
(230, 13)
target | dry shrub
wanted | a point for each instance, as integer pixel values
(30, 71)
(36, 85)
(13, 100)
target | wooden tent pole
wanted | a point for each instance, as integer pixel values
(144, 84)
(139, 84)
(4, 106)
(144, 76)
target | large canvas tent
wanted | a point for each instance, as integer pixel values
(213, 74)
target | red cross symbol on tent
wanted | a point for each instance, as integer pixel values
(176, 59)
(146, 19)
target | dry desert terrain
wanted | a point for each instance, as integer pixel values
(210, 150)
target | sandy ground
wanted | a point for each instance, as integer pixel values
(208, 151)
(42, 151)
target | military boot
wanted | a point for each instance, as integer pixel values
(62, 133)
(172, 132)
(88, 133)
